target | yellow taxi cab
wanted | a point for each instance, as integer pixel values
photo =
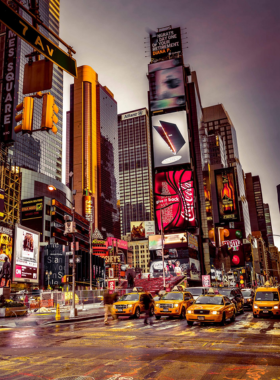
(266, 301)
(132, 305)
(211, 308)
(174, 303)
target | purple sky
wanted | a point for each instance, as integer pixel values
(233, 45)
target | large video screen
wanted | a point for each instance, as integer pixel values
(166, 84)
(177, 262)
(227, 195)
(26, 255)
(174, 195)
(170, 139)
(6, 249)
(166, 43)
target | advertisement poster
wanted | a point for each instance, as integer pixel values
(234, 241)
(192, 241)
(26, 255)
(111, 285)
(166, 43)
(207, 196)
(227, 195)
(170, 139)
(195, 269)
(54, 261)
(32, 208)
(166, 84)
(6, 249)
(113, 241)
(142, 230)
(155, 242)
(2, 203)
(206, 281)
(174, 194)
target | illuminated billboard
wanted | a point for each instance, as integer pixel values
(174, 195)
(170, 139)
(166, 43)
(6, 249)
(166, 85)
(142, 230)
(235, 244)
(227, 195)
(26, 255)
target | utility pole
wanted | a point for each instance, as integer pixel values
(73, 309)
(90, 255)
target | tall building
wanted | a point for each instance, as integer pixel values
(135, 168)
(212, 149)
(278, 195)
(93, 151)
(217, 122)
(41, 152)
(269, 230)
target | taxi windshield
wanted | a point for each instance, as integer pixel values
(210, 300)
(129, 297)
(173, 296)
(267, 296)
(195, 291)
(246, 293)
(225, 292)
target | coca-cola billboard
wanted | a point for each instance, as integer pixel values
(174, 195)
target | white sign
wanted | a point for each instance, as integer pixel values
(131, 115)
(111, 273)
(175, 238)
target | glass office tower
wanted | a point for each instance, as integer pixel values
(41, 152)
(135, 168)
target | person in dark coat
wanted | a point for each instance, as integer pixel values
(147, 306)
(6, 271)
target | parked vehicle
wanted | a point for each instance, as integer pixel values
(235, 295)
(248, 295)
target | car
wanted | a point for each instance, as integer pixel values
(235, 295)
(198, 291)
(174, 303)
(215, 308)
(248, 295)
(131, 305)
(266, 302)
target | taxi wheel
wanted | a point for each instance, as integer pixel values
(183, 313)
(190, 323)
(152, 311)
(255, 316)
(242, 310)
(232, 319)
(137, 313)
(158, 317)
(223, 322)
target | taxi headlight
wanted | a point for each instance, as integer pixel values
(157, 305)
(215, 312)
(189, 311)
(255, 307)
(249, 299)
(129, 306)
(276, 307)
(114, 306)
(176, 305)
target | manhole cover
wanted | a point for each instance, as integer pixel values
(77, 377)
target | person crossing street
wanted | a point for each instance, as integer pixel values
(147, 306)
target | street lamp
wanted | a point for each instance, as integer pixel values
(48, 274)
(73, 311)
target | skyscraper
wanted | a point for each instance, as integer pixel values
(135, 168)
(41, 152)
(92, 153)
(269, 230)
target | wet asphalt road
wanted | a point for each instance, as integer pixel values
(246, 349)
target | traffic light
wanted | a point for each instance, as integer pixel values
(49, 112)
(26, 116)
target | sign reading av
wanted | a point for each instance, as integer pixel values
(36, 39)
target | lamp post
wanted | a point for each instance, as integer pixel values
(73, 311)
(48, 274)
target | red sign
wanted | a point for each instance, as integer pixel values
(121, 243)
(174, 194)
(206, 281)
(111, 285)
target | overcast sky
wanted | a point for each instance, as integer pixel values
(233, 45)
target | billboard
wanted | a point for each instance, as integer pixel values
(142, 230)
(166, 43)
(177, 262)
(155, 242)
(170, 139)
(54, 261)
(2, 203)
(227, 195)
(88, 207)
(6, 248)
(174, 195)
(234, 242)
(166, 85)
(121, 243)
(26, 255)
(207, 196)
(32, 209)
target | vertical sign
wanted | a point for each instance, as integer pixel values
(89, 207)
(8, 106)
(2, 203)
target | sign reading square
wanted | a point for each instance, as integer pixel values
(170, 139)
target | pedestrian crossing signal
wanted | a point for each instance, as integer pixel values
(49, 111)
(26, 117)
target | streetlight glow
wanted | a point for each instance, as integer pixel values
(51, 187)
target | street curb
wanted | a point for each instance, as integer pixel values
(78, 319)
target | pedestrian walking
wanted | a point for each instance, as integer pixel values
(147, 306)
(109, 299)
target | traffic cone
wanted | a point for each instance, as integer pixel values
(57, 315)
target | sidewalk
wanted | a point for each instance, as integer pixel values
(86, 312)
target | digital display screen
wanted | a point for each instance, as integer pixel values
(227, 195)
(170, 139)
(174, 200)
(166, 43)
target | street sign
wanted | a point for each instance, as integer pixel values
(37, 40)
